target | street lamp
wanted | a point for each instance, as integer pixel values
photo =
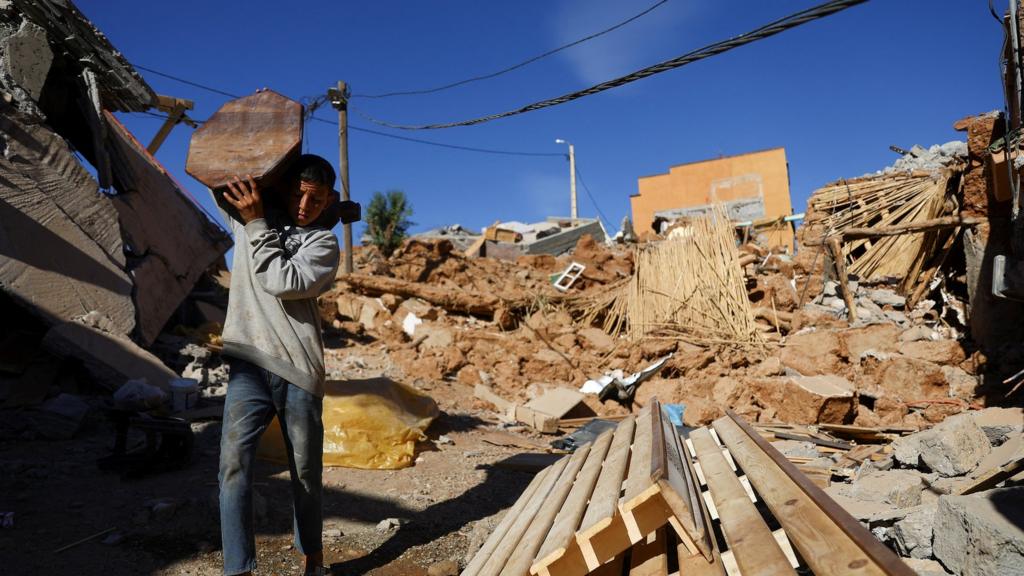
(572, 178)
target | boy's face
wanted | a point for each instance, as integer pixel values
(306, 201)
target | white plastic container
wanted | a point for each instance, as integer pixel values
(184, 394)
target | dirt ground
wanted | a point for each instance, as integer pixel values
(167, 524)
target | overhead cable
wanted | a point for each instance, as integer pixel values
(760, 33)
(591, 196)
(515, 66)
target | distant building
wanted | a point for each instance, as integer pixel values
(753, 186)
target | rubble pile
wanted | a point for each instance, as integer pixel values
(928, 493)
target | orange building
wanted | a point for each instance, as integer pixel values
(753, 186)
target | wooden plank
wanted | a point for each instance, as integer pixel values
(831, 543)
(994, 477)
(560, 554)
(510, 540)
(258, 134)
(748, 536)
(650, 556)
(642, 507)
(491, 544)
(602, 534)
(813, 440)
(678, 482)
(526, 551)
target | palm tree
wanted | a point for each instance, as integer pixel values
(387, 220)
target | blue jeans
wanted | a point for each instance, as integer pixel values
(254, 396)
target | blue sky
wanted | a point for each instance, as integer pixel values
(835, 93)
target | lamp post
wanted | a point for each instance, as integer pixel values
(572, 178)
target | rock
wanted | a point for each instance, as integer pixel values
(371, 314)
(807, 399)
(961, 384)
(596, 340)
(943, 352)
(795, 448)
(877, 337)
(386, 525)
(437, 336)
(418, 307)
(444, 568)
(779, 291)
(918, 333)
(886, 297)
(333, 533)
(812, 353)
(953, 448)
(999, 423)
(925, 567)
(907, 379)
(913, 534)
(981, 534)
(900, 488)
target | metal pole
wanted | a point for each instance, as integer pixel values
(572, 182)
(343, 167)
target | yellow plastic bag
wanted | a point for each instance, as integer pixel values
(372, 424)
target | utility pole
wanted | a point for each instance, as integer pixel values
(573, 213)
(339, 99)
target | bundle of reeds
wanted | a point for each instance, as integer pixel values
(689, 286)
(882, 202)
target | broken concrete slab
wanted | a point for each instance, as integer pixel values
(61, 253)
(899, 488)
(912, 535)
(111, 359)
(999, 423)
(981, 534)
(952, 448)
(27, 58)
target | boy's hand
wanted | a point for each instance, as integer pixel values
(244, 195)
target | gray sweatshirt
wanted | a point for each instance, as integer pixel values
(273, 320)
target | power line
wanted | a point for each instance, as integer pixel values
(408, 139)
(189, 82)
(515, 66)
(762, 32)
(591, 196)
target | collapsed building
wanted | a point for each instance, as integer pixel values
(99, 244)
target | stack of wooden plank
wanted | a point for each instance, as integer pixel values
(641, 501)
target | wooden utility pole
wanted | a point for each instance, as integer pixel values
(339, 99)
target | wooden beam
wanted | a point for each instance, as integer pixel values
(560, 554)
(842, 278)
(827, 537)
(749, 538)
(602, 534)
